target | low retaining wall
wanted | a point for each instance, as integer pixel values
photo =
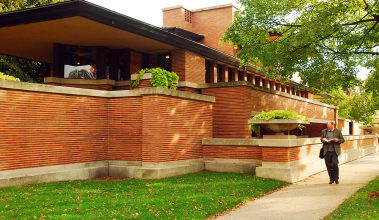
(288, 160)
(60, 133)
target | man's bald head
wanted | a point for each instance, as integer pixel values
(330, 125)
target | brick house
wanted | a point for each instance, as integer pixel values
(79, 126)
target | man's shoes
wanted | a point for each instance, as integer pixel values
(331, 181)
(337, 182)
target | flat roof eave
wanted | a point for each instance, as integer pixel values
(105, 16)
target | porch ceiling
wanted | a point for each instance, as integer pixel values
(35, 40)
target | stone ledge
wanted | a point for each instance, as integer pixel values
(79, 81)
(274, 142)
(34, 87)
(78, 171)
(301, 169)
(145, 76)
(232, 165)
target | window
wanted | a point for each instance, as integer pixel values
(79, 62)
(164, 61)
(231, 74)
(241, 76)
(220, 73)
(208, 71)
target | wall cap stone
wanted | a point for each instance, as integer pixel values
(274, 142)
(79, 81)
(145, 76)
(35, 87)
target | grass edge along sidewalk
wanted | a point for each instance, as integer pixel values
(193, 196)
(364, 204)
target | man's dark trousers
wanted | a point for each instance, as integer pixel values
(331, 162)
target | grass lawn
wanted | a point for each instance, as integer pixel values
(364, 204)
(193, 196)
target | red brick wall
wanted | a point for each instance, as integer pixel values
(234, 105)
(44, 129)
(125, 129)
(231, 111)
(178, 63)
(194, 68)
(278, 154)
(176, 18)
(233, 152)
(39, 129)
(173, 128)
(189, 66)
(213, 24)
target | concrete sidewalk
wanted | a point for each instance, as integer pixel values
(312, 198)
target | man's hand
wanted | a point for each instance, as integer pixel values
(325, 140)
(335, 139)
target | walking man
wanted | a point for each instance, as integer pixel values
(331, 139)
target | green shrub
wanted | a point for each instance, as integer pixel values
(160, 78)
(7, 77)
(276, 114)
(279, 114)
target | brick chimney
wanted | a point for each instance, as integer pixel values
(212, 22)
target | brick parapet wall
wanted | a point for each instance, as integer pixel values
(47, 125)
(235, 104)
(173, 129)
(279, 150)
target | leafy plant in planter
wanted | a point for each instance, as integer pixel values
(7, 77)
(159, 78)
(277, 114)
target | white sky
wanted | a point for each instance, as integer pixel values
(150, 11)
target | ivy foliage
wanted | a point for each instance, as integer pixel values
(325, 42)
(160, 78)
(7, 77)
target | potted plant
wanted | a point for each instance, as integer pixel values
(277, 121)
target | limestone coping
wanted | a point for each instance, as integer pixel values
(278, 121)
(79, 81)
(145, 76)
(87, 81)
(275, 142)
(35, 87)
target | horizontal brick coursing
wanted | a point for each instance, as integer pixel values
(38, 129)
(44, 129)
(125, 129)
(173, 129)
(279, 154)
(189, 66)
(233, 152)
(231, 111)
(234, 105)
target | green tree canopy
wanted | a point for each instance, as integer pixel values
(323, 41)
(25, 70)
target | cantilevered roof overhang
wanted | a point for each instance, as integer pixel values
(30, 33)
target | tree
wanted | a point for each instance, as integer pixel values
(25, 70)
(323, 41)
